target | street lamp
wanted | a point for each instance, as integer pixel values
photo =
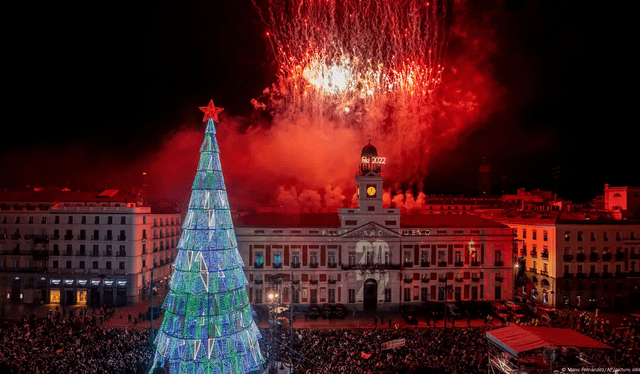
(273, 298)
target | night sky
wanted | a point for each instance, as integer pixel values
(98, 90)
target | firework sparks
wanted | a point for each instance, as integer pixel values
(353, 56)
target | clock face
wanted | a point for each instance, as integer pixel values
(371, 191)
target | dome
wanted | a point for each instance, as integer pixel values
(369, 151)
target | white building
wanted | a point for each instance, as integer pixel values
(372, 257)
(82, 247)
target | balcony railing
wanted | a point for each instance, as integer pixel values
(475, 279)
(408, 264)
(313, 265)
(545, 254)
(408, 280)
(475, 263)
(620, 274)
(458, 263)
(533, 270)
(634, 256)
(581, 275)
(332, 265)
(371, 267)
(257, 265)
(442, 279)
(594, 275)
(606, 256)
(567, 275)
(606, 275)
(533, 253)
(619, 256)
(567, 258)
(593, 257)
(581, 257)
(313, 281)
(442, 263)
(333, 281)
(425, 264)
(543, 272)
(276, 266)
(122, 238)
(498, 263)
(424, 279)
(499, 278)
(108, 237)
(295, 265)
(523, 252)
(257, 281)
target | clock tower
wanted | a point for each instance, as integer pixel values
(369, 180)
(369, 192)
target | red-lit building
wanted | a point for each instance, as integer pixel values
(374, 258)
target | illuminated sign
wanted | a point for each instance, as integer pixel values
(82, 282)
(108, 282)
(122, 283)
(412, 232)
(95, 282)
(68, 282)
(55, 281)
(373, 160)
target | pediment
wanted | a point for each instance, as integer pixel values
(371, 230)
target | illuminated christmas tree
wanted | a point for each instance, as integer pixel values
(208, 325)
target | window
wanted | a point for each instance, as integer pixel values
(144, 262)
(524, 233)
(441, 256)
(580, 234)
(96, 220)
(56, 219)
(44, 220)
(407, 294)
(424, 294)
(83, 220)
(95, 264)
(387, 257)
(70, 220)
(352, 258)
(314, 257)
(108, 264)
(332, 257)
(314, 296)
(499, 258)
(259, 260)
(68, 264)
(387, 295)
(534, 235)
(498, 293)
(54, 264)
(83, 250)
(545, 235)
(593, 236)
(277, 259)
(352, 295)
(332, 295)
(258, 295)
(81, 264)
(295, 259)
(605, 236)
(121, 265)
(369, 257)
(567, 236)
(123, 220)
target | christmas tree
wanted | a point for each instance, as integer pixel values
(208, 325)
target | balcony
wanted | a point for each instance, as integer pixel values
(634, 256)
(533, 253)
(606, 256)
(95, 237)
(567, 275)
(407, 264)
(55, 237)
(475, 263)
(581, 275)
(333, 281)
(499, 278)
(606, 274)
(620, 256)
(408, 280)
(533, 270)
(593, 257)
(257, 281)
(372, 267)
(458, 279)
(594, 275)
(257, 265)
(296, 281)
(523, 252)
(458, 263)
(545, 255)
(498, 263)
(313, 281)
(16, 236)
(567, 258)
(68, 237)
(475, 279)
(581, 257)
(332, 265)
(425, 264)
(543, 272)
(442, 279)
(424, 279)
(620, 274)
(313, 265)
(108, 237)
(442, 263)
(276, 266)
(122, 238)
(295, 265)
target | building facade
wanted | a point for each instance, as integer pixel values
(83, 247)
(374, 258)
(570, 263)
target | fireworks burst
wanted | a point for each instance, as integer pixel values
(344, 59)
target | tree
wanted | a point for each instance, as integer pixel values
(208, 325)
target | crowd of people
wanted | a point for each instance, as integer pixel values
(425, 350)
(74, 343)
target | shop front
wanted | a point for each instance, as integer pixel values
(81, 293)
(108, 292)
(94, 292)
(55, 293)
(121, 292)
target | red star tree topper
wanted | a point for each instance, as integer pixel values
(210, 111)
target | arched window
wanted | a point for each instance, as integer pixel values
(545, 283)
(534, 280)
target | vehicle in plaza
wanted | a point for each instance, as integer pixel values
(547, 314)
(327, 311)
(410, 314)
(314, 311)
(515, 310)
(340, 311)
(500, 311)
